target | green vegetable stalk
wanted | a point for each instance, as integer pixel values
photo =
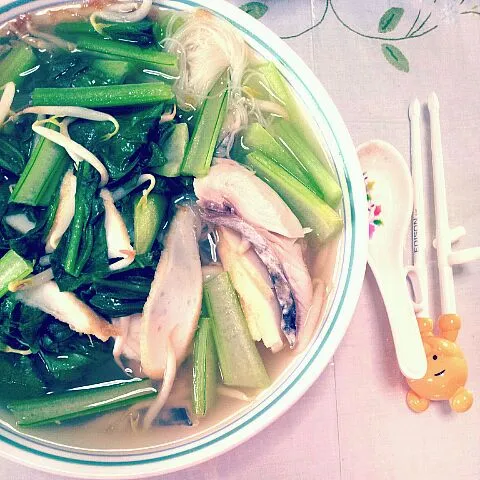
(240, 362)
(204, 368)
(269, 84)
(317, 175)
(310, 209)
(173, 144)
(80, 232)
(255, 137)
(149, 212)
(116, 50)
(42, 175)
(105, 95)
(207, 128)
(126, 31)
(17, 61)
(75, 403)
(13, 267)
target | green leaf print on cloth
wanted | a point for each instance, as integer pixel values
(255, 9)
(395, 57)
(390, 19)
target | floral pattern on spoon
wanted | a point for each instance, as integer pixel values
(374, 209)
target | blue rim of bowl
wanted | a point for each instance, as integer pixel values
(297, 375)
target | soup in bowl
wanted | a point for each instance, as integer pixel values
(182, 237)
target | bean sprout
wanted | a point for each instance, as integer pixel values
(72, 146)
(77, 112)
(6, 100)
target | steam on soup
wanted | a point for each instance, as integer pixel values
(168, 223)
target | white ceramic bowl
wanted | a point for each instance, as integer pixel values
(306, 368)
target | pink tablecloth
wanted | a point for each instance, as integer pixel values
(353, 423)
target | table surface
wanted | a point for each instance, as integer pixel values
(354, 423)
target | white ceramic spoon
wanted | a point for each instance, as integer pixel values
(389, 186)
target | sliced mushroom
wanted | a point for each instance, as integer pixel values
(118, 240)
(67, 308)
(171, 312)
(127, 342)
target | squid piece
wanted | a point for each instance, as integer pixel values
(67, 308)
(234, 187)
(172, 309)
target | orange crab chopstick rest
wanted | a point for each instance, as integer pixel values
(447, 368)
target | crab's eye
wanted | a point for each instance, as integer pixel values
(434, 357)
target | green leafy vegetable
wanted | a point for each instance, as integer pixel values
(70, 358)
(115, 307)
(18, 378)
(11, 159)
(63, 70)
(137, 32)
(129, 148)
(120, 294)
(20, 324)
(31, 244)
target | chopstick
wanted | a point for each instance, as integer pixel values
(444, 244)
(419, 245)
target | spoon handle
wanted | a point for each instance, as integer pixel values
(403, 323)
